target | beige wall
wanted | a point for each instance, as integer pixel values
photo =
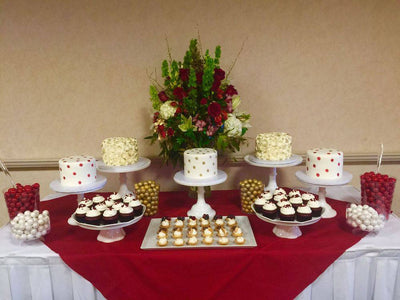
(75, 72)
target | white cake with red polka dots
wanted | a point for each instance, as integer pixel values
(324, 163)
(77, 170)
(200, 163)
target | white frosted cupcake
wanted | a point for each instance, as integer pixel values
(128, 198)
(307, 197)
(287, 213)
(296, 201)
(316, 208)
(267, 195)
(279, 191)
(116, 197)
(280, 197)
(98, 199)
(259, 203)
(293, 193)
(86, 202)
(110, 216)
(126, 213)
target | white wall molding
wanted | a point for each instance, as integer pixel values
(52, 163)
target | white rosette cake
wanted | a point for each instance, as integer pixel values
(77, 170)
(119, 151)
(273, 146)
(324, 163)
(200, 163)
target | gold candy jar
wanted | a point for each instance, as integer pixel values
(250, 189)
(147, 192)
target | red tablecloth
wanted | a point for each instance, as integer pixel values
(276, 269)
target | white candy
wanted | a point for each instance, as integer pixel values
(41, 221)
(44, 232)
(363, 227)
(38, 235)
(34, 231)
(40, 228)
(23, 236)
(28, 227)
(358, 221)
(29, 236)
(370, 228)
(27, 213)
(354, 224)
(362, 217)
(353, 205)
(367, 222)
(35, 225)
(45, 212)
(374, 222)
(365, 206)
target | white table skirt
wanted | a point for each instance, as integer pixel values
(368, 270)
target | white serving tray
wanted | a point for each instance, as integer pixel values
(150, 239)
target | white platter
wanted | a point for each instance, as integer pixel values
(292, 161)
(141, 164)
(187, 181)
(98, 184)
(150, 239)
(346, 178)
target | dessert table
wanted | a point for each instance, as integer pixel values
(368, 269)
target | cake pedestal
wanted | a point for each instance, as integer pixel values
(141, 164)
(294, 160)
(322, 184)
(80, 191)
(201, 207)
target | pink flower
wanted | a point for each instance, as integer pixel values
(211, 130)
(200, 124)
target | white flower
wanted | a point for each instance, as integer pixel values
(167, 110)
(233, 126)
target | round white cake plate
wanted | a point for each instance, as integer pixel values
(100, 182)
(108, 233)
(294, 160)
(141, 164)
(322, 184)
(200, 207)
(287, 229)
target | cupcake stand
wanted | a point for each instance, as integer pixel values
(322, 184)
(141, 164)
(287, 229)
(294, 160)
(201, 207)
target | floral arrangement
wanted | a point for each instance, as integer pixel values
(196, 106)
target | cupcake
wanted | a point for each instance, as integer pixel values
(178, 242)
(280, 197)
(231, 221)
(223, 240)
(296, 201)
(192, 221)
(316, 208)
(128, 198)
(98, 199)
(101, 207)
(258, 204)
(126, 213)
(137, 207)
(110, 216)
(208, 240)
(179, 222)
(282, 203)
(86, 202)
(293, 193)
(218, 221)
(117, 206)
(279, 191)
(267, 195)
(162, 242)
(165, 222)
(192, 241)
(270, 210)
(116, 197)
(287, 213)
(304, 213)
(109, 202)
(307, 197)
(239, 240)
(237, 231)
(93, 216)
(80, 213)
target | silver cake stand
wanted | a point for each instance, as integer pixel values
(322, 184)
(201, 207)
(141, 164)
(294, 160)
(80, 191)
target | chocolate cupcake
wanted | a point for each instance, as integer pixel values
(293, 193)
(258, 204)
(287, 213)
(280, 191)
(267, 196)
(98, 199)
(280, 197)
(304, 213)
(80, 213)
(316, 208)
(93, 216)
(296, 201)
(137, 207)
(270, 210)
(116, 197)
(86, 202)
(126, 213)
(307, 197)
(110, 216)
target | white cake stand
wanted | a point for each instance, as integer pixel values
(108, 233)
(294, 160)
(322, 184)
(201, 207)
(286, 229)
(141, 164)
(100, 182)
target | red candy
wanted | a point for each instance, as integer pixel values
(22, 198)
(377, 191)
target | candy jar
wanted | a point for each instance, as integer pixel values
(22, 198)
(364, 218)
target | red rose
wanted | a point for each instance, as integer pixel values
(173, 104)
(179, 93)
(214, 109)
(216, 85)
(170, 132)
(162, 96)
(219, 74)
(184, 74)
(161, 131)
(178, 111)
(203, 101)
(155, 116)
(230, 90)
